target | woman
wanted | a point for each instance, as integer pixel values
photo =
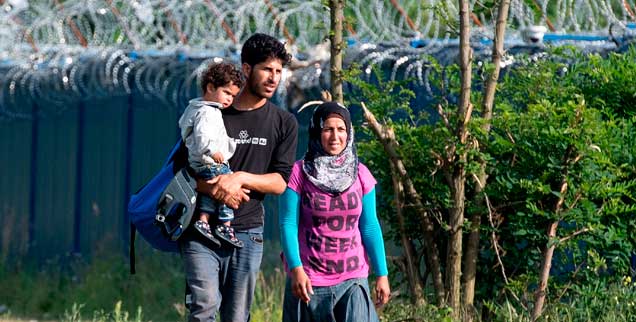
(328, 227)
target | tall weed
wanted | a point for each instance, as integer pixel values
(66, 286)
(102, 289)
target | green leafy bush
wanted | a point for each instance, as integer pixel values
(563, 119)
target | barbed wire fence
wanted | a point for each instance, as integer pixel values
(58, 52)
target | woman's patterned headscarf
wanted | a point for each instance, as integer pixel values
(333, 174)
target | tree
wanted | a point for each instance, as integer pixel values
(453, 160)
(336, 9)
(562, 162)
(552, 170)
(456, 163)
(472, 247)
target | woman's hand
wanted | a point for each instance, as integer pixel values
(300, 284)
(382, 290)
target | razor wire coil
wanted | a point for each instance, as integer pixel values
(57, 52)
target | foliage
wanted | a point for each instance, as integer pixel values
(606, 82)
(390, 101)
(545, 108)
(599, 300)
(560, 116)
(610, 81)
(532, 130)
(529, 149)
(268, 296)
(117, 315)
(66, 286)
(102, 289)
(399, 310)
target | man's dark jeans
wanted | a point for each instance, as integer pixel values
(223, 279)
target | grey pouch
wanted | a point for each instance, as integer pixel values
(176, 205)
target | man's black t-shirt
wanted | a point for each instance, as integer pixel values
(266, 140)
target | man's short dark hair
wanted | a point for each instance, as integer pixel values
(221, 74)
(261, 47)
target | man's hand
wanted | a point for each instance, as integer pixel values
(300, 284)
(226, 188)
(382, 291)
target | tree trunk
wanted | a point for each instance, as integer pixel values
(454, 254)
(546, 261)
(412, 267)
(337, 47)
(388, 141)
(546, 264)
(465, 65)
(458, 175)
(570, 157)
(472, 246)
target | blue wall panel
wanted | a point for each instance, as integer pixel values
(54, 178)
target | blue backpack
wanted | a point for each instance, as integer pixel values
(162, 209)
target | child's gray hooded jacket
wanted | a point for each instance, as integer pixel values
(204, 133)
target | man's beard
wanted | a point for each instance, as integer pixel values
(257, 91)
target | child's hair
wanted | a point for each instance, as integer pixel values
(260, 47)
(221, 74)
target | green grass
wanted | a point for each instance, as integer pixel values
(104, 291)
(71, 289)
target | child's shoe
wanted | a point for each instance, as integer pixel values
(204, 228)
(226, 234)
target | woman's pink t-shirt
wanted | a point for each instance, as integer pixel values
(331, 248)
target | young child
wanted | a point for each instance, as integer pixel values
(209, 146)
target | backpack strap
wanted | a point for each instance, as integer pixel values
(131, 250)
(179, 157)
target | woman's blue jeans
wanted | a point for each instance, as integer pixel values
(349, 301)
(222, 279)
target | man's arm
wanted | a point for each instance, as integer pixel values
(268, 183)
(232, 189)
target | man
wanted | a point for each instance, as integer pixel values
(223, 279)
